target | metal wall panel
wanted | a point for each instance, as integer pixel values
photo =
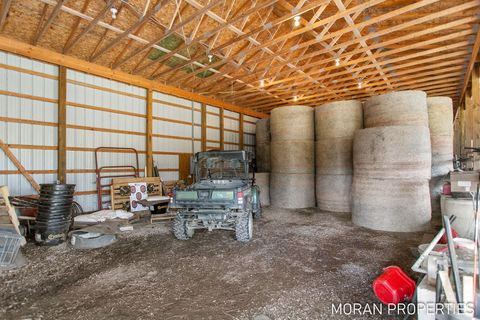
(232, 114)
(36, 140)
(86, 93)
(101, 106)
(213, 109)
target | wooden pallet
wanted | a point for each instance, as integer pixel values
(119, 201)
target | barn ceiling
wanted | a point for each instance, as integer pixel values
(265, 53)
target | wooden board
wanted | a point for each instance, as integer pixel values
(119, 201)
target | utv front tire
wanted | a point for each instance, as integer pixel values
(244, 227)
(180, 229)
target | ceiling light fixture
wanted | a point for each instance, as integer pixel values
(296, 20)
(114, 12)
(337, 62)
(295, 98)
(262, 83)
(210, 57)
(359, 85)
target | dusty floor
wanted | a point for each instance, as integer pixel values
(297, 265)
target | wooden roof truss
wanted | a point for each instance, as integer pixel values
(262, 54)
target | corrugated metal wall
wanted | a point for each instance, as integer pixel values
(176, 130)
(231, 129)
(213, 127)
(28, 120)
(249, 124)
(100, 113)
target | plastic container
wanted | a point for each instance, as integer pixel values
(393, 286)
(447, 188)
(10, 243)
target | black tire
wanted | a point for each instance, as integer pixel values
(244, 227)
(257, 214)
(180, 229)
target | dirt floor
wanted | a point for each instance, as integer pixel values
(297, 265)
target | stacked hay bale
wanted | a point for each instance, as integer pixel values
(262, 145)
(262, 156)
(292, 179)
(392, 164)
(440, 120)
(335, 125)
(262, 179)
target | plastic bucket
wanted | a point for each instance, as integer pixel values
(393, 286)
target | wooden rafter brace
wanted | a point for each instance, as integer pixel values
(19, 166)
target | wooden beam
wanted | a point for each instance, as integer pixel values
(471, 63)
(398, 27)
(44, 26)
(19, 166)
(62, 126)
(204, 36)
(168, 32)
(149, 136)
(476, 86)
(42, 54)
(240, 132)
(135, 26)
(222, 129)
(204, 128)
(89, 27)
(4, 12)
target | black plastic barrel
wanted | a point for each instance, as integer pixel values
(54, 213)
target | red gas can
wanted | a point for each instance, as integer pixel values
(393, 286)
(447, 188)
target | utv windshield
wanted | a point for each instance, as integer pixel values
(222, 165)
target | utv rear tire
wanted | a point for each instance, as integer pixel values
(180, 229)
(244, 227)
(257, 214)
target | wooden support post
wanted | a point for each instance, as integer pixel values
(222, 131)
(62, 126)
(149, 163)
(240, 132)
(204, 127)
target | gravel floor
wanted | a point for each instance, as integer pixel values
(297, 265)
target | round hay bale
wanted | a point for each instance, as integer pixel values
(391, 205)
(292, 123)
(401, 108)
(263, 157)
(334, 156)
(262, 179)
(442, 155)
(262, 130)
(440, 116)
(338, 119)
(333, 192)
(292, 190)
(293, 156)
(399, 152)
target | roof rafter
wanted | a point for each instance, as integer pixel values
(144, 19)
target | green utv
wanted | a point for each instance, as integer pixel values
(222, 197)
